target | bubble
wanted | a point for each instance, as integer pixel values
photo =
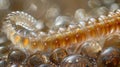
(102, 11)
(109, 57)
(58, 55)
(114, 6)
(38, 8)
(76, 61)
(52, 12)
(108, 2)
(82, 23)
(62, 21)
(91, 21)
(94, 3)
(80, 14)
(40, 25)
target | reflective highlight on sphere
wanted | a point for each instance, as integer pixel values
(3, 63)
(16, 56)
(58, 55)
(35, 60)
(112, 40)
(46, 65)
(109, 57)
(91, 48)
(76, 61)
(4, 50)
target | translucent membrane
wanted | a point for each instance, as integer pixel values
(104, 25)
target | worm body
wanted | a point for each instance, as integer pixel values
(21, 29)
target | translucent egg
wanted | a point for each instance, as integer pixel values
(75, 61)
(114, 6)
(46, 65)
(109, 57)
(35, 60)
(58, 55)
(4, 50)
(16, 56)
(91, 48)
(94, 3)
(62, 21)
(3, 63)
(80, 14)
(108, 2)
(53, 12)
(102, 11)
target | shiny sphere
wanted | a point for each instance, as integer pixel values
(91, 49)
(76, 61)
(35, 60)
(46, 65)
(16, 56)
(58, 55)
(112, 40)
(109, 57)
(3, 63)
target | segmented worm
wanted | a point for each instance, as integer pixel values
(21, 29)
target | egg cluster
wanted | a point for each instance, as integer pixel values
(42, 33)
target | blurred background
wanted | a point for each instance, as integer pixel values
(49, 10)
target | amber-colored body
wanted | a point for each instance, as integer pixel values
(103, 26)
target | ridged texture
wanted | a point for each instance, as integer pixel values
(102, 26)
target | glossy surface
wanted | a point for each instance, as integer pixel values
(109, 57)
(76, 61)
(58, 55)
(65, 33)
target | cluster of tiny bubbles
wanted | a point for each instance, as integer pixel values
(38, 8)
(102, 7)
